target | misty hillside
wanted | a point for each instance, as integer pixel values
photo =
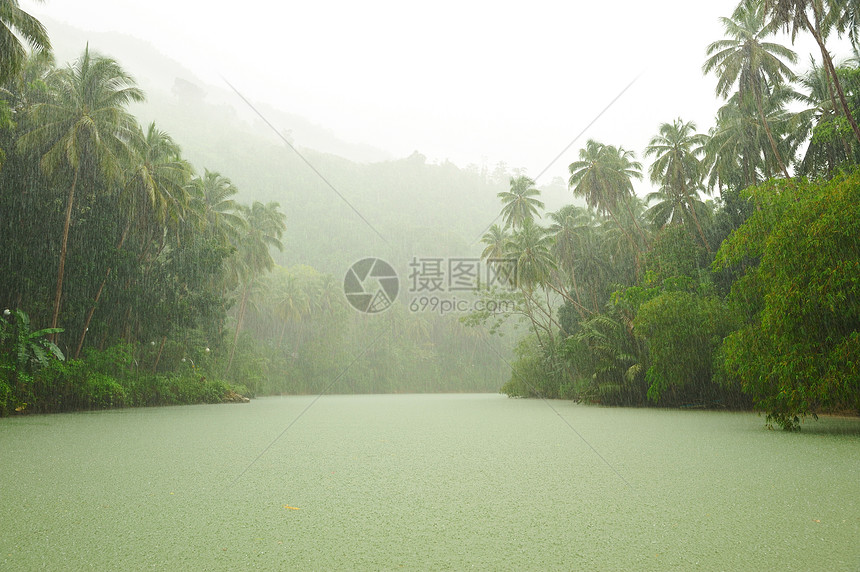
(410, 207)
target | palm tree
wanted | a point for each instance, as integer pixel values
(211, 193)
(496, 239)
(603, 176)
(738, 153)
(263, 230)
(755, 66)
(520, 203)
(530, 247)
(843, 15)
(14, 22)
(568, 229)
(160, 177)
(676, 167)
(823, 154)
(85, 124)
(156, 189)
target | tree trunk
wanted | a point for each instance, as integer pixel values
(99, 294)
(239, 316)
(776, 154)
(630, 239)
(158, 357)
(692, 207)
(63, 248)
(828, 63)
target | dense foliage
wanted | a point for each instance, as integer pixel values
(749, 299)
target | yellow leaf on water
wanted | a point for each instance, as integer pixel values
(291, 507)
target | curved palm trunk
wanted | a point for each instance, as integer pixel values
(828, 63)
(768, 132)
(158, 357)
(630, 239)
(692, 208)
(99, 294)
(63, 248)
(561, 291)
(636, 224)
(239, 317)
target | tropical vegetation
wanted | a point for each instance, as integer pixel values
(735, 283)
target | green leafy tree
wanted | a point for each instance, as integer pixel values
(798, 352)
(683, 332)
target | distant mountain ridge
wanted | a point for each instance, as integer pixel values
(167, 81)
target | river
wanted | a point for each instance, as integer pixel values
(426, 482)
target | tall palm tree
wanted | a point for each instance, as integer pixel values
(824, 154)
(85, 124)
(676, 167)
(155, 190)
(844, 15)
(754, 65)
(603, 176)
(160, 177)
(265, 225)
(14, 22)
(496, 239)
(519, 202)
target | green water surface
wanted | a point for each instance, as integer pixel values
(426, 482)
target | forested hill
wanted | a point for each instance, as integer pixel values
(418, 207)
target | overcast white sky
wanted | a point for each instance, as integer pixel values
(473, 82)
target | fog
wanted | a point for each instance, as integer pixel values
(473, 83)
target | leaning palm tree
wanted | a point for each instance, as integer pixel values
(843, 15)
(755, 66)
(738, 153)
(85, 124)
(676, 167)
(16, 24)
(519, 202)
(824, 154)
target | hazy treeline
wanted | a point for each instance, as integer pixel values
(152, 283)
(734, 283)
